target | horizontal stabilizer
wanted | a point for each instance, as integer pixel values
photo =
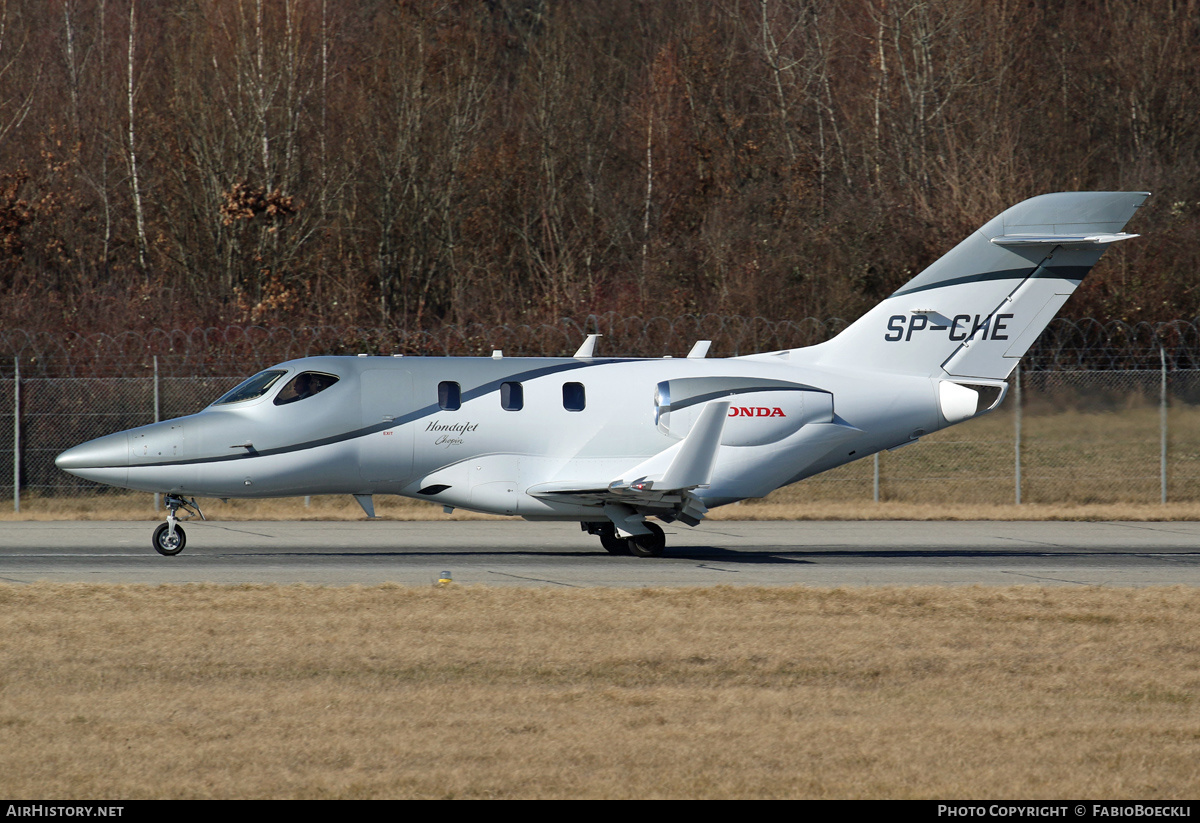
(1060, 239)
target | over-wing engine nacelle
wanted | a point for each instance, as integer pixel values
(760, 411)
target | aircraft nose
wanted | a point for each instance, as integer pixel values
(108, 452)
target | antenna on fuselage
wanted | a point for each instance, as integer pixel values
(588, 348)
(367, 503)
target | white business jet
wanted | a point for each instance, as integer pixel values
(610, 442)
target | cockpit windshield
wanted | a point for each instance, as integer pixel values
(303, 385)
(256, 386)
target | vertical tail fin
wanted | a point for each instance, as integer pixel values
(980, 307)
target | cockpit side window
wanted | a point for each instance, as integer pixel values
(304, 385)
(256, 386)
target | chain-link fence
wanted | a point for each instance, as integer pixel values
(57, 413)
(1084, 436)
(1088, 436)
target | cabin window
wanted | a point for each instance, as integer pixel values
(512, 396)
(303, 386)
(449, 396)
(573, 397)
(256, 386)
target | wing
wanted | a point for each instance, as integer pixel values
(661, 486)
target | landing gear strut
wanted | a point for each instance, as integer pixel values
(169, 538)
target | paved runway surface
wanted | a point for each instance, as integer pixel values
(559, 554)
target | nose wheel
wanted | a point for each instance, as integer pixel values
(168, 541)
(169, 538)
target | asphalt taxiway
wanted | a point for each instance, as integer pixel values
(858, 553)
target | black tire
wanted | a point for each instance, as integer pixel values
(163, 545)
(648, 545)
(614, 545)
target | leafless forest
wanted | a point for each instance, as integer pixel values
(416, 164)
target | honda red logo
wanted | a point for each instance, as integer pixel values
(755, 411)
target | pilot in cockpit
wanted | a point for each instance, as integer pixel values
(304, 385)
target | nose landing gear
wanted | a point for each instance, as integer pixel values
(169, 538)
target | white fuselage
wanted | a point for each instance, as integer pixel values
(610, 442)
(380, 430)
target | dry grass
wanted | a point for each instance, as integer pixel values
(204, 691)
(134, 506)
(896, 510)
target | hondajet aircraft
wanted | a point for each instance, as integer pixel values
(609, 441)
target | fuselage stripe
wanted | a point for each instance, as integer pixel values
(1073, 273)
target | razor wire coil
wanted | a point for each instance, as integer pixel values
(1065, 345)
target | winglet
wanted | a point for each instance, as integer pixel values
(693, 463)
(685, 465)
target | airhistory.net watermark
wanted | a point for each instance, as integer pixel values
(49, 810)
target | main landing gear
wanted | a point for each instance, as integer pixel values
(169, 538)
(640, 545)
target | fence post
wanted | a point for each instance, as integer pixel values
(16, 434)
(1017, 438)
(157, 496)
(876, 477)
(1162, 425)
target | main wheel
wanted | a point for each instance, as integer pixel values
(163, 543)
(648, 545)
(613, 544)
